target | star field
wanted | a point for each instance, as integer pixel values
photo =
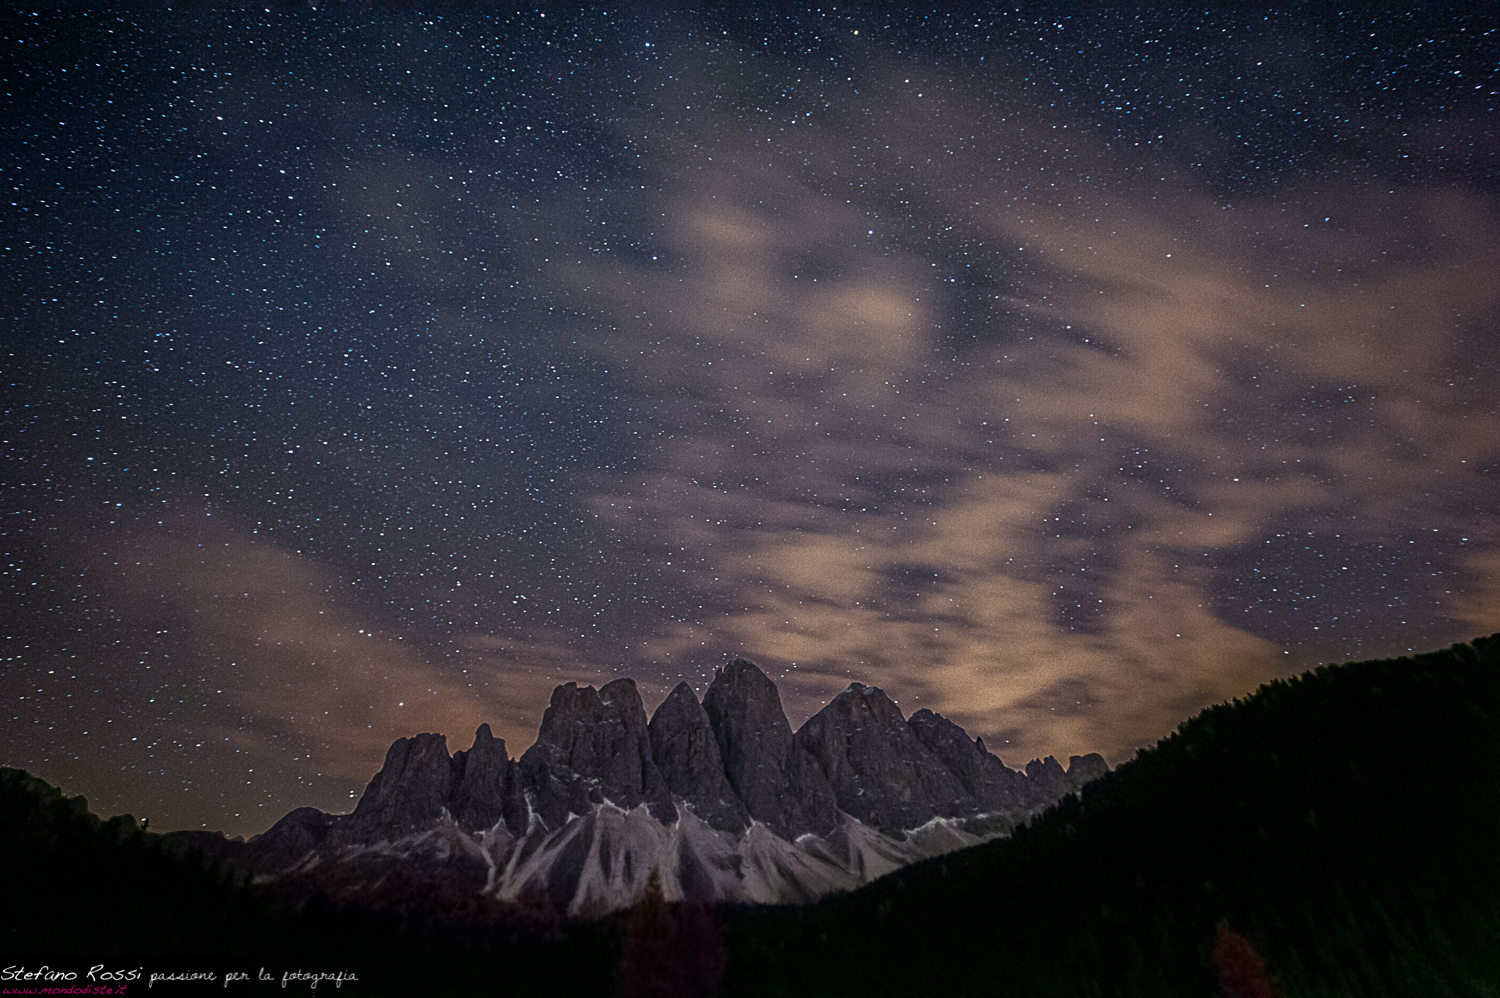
(373, 374)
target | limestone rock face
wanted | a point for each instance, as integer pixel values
(479, 778)
(994, 787)
(780, 785)
(687, 755)
(880, 771)
(412, 786)
(719, 797)
(593, 746)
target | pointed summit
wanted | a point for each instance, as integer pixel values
(686, 752)
(779, 784)
(479, 781)
(880, 771)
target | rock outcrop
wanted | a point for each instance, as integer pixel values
(993, 787)
(411, 789)
(484, 785)
(778, 782)
(721, 798)
(687, 755)
(880, 771)
(593, 747)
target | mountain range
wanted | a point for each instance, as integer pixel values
(1331, 835)
(720, 798)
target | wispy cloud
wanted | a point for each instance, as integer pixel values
(272, 657)
(1029, 527)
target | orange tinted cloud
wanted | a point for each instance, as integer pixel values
(270, 654)
(864, 505)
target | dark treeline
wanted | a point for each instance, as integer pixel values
(1343, 825)
(1337, 834)
(81, 892)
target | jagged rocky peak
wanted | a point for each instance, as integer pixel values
(732, 759)
(479, 778)
(780, 784)
(687, 754)
(419, 782)
(593, 746)
(880, 771)
(993, 786)
(720, 797)
(1049, 780)
(412, 786)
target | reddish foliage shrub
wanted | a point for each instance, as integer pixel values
(1239, 970)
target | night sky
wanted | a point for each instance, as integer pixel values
(370, 374)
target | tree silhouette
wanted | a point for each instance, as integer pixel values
(670, 950)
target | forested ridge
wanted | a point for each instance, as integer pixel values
(1344, 823)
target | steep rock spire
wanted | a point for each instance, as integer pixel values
(479, 778)
(687, 754)
(780, 785)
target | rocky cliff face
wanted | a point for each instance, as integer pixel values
(879, 770)
(687, 754)
(776, 780)
(592, 748)
(721, 798)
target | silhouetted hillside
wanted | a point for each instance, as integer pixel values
(81, 892)
(1344, 825)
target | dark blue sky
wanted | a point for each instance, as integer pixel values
(370, 374)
